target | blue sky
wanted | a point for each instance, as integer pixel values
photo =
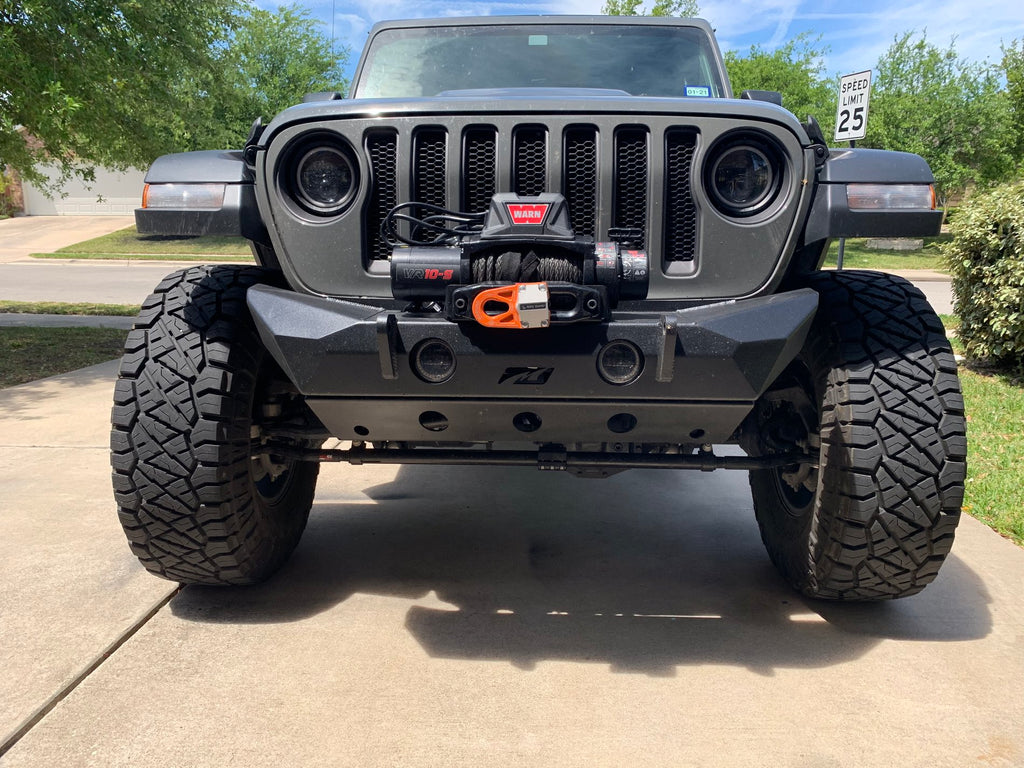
(856, 32)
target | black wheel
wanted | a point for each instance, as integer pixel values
(874, 395)
(197, 503)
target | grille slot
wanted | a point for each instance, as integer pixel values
(428, 168)
(480, 164)
(430, 152)
(382, 148)
(580, 179)
(530, 169)
(680, 210)
(629, 211)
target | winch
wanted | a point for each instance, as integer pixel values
(519, 265)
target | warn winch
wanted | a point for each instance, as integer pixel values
(519, 265)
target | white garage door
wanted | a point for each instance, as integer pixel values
(112, 193)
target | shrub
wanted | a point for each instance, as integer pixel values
(986, 260)
(8, 199)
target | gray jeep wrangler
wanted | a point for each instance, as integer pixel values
(557, 242)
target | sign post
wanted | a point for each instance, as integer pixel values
(852, 119)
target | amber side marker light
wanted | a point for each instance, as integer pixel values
(880, 197)
(196, 197)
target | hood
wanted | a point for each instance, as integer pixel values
(525, 101)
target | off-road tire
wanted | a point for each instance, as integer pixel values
(880, 376)
(194, 505)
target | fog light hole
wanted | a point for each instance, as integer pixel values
(621, 423)
(526, 421)
(433, 421)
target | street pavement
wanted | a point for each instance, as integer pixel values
(117, 282)
(445, 616)
(102, 282)
(129, 282)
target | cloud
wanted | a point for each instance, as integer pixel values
(351, 26)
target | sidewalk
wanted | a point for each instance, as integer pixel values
(922, 275)
(937, 287)
(19, 320)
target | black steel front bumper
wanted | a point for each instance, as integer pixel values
(703, 368)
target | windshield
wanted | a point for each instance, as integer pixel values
(641, 60)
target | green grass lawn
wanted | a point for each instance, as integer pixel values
(995, 449)
(27, 354)
(67, 308)
(857, 256)
(129, 244)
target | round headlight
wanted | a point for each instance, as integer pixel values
(742, 177)
(325, 180)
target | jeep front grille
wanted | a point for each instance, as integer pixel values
(609, 199)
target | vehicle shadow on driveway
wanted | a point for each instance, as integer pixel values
(644, 571)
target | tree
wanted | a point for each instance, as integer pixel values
(1013, 70)
(951, 112)
(82, 80)
(796, 70)
(660, 8)
(269, 62)
(119, 82)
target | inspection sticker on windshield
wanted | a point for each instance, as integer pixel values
(698, 90)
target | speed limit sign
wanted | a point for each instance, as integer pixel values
(852, 113)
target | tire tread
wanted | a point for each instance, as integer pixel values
(179, 437)
(893, 444)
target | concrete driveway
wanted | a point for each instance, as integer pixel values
(443, 616)
(23, 235)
